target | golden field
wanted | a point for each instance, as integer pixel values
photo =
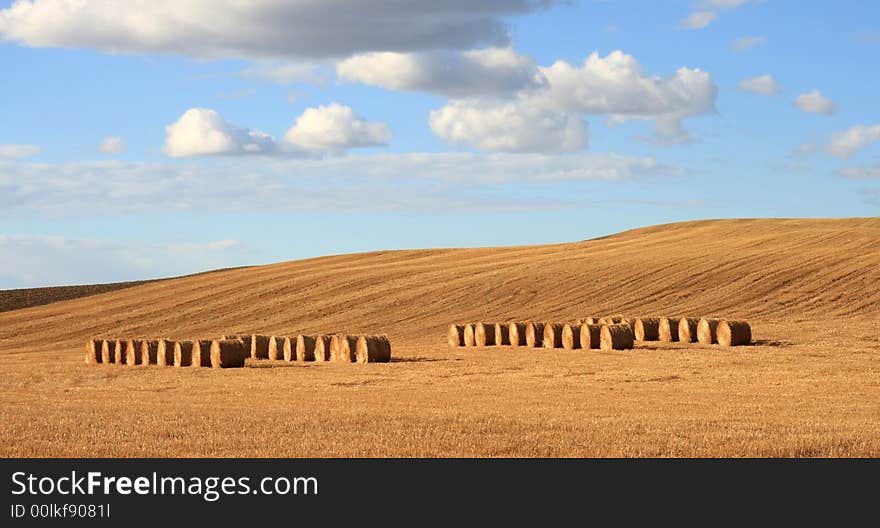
(810, 386)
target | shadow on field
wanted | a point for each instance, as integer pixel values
(420, 359)
(771, 343)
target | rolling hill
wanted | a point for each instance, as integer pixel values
(809, 387)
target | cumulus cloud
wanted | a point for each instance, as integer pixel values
(699, 20)
(846, 143)
(202, 132)
(262, 28)
(41, 260)
(763, 84)
(815, 103)
(860, 173)
(10, 151)
(335, 127)
(112, 145)
(449, 73)
(747, 43)
(521, 126)
(410, 182)
(614, 85)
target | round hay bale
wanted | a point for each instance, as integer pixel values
(322, 347)
(343, 348)
(553, 335)
(335, 343)
(534, 335)
(133, 352)
(667, 329)
(288, 348)
(245, 338)
(734, 333)
(616, 337)
(687, 329)
(259, 346)
(455, 335)
(484, 334)
(276, 348)
(149, 351)
(373, 349)
(228, 353)
(201, 353)
(93, 351)
(165, 353)
(591, 336)
(516, 333)
(647, 329)
(469, 338)
(183, 353)
(107, 349)
(119, 352)
(571, 336)
(502, 334)
(305, 348)
(707, 331)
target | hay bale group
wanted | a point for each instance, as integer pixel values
(231, 351)
(601, 333)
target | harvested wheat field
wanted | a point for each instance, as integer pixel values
(808, 386)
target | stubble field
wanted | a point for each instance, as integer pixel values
(810, 385)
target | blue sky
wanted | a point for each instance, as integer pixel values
(192, 135)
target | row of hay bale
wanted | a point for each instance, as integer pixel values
(215, 353)
(341, 348)
(230, 351)
(574, 335)
(605, 333)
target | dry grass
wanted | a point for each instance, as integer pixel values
(809, 385)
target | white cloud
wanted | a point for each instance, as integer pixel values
(747, 43)
(411, 182)
(286, 72)
(112, 145)
(335, 127)
(706, 12)
(699, 20)
(10, 151)
(803, 150)
(614, 85)
(846, 143)
(617, 85)
(860, 173)
(40, 260)
(520, 126)
(261, 28)
(450, 73)
(726, 4)
(202, 132)
(764, 84)
(815, 103)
